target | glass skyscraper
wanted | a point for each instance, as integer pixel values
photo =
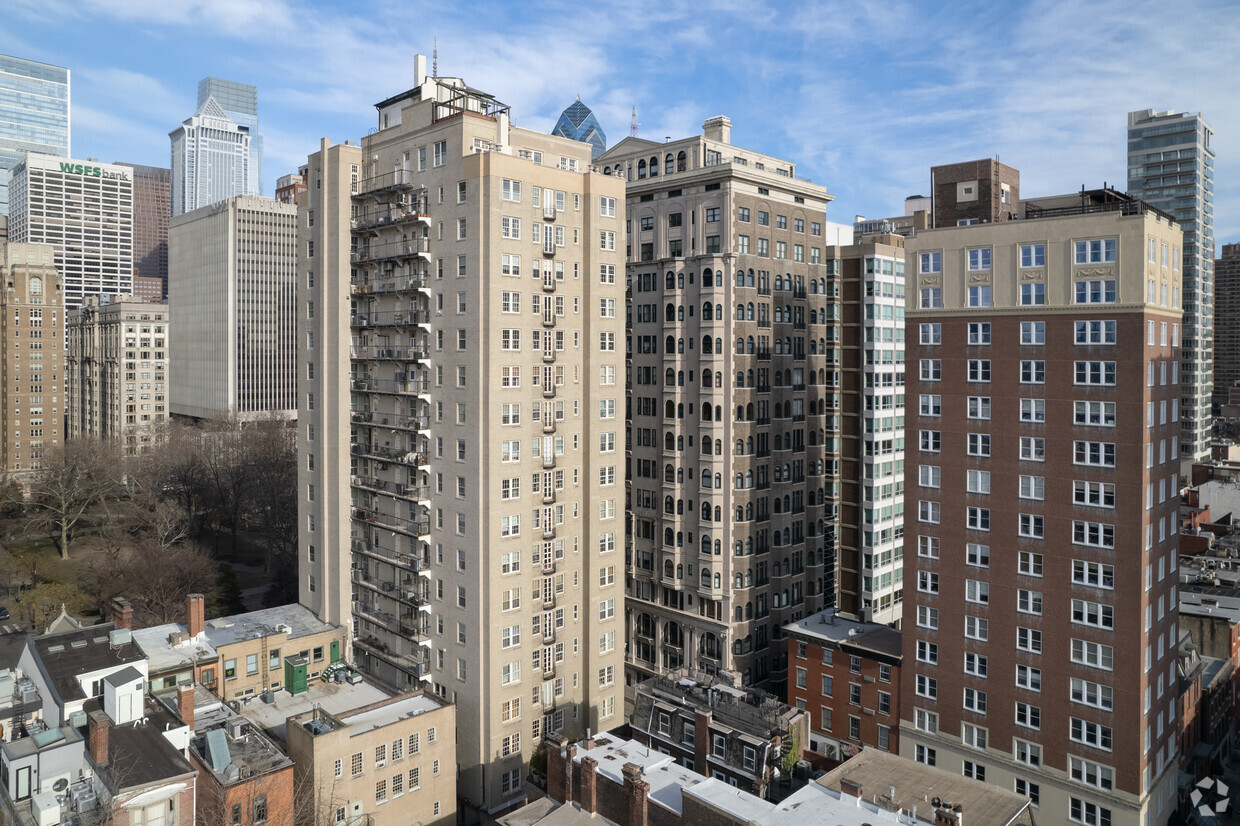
(1171, 166)
(578, 122)
(212, 157)
(240, 102)
(34, 114)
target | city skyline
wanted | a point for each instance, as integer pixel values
(1049, 94)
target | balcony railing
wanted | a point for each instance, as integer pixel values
(399, 318)
(391, 386)
(398, 179)
(382, 286)
(392, 250)
(373, 353)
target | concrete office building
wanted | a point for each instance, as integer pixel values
(152, 194)
(85, 210)
(232, 288)
(732, 416)
(31, 356)
(459, 418)
(211, 159)
(34, 114)
(116, 372)
(1040, 617)
(1226, 322)
(1171, 166)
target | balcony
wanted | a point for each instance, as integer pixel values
(548, 243)
(548, 495)
(400, 318)
(384, 286)
(417, 665)
(548, 531)
(549, 211)
(548, 282)
(386, 215)
(399, 180)
(548, 565)
(548, 355)
(548, 633)
(390, 420)
(548, 423)
(548, 319)
(387, 454)
(391, 251)
(404, 387)
(375, 353)
(548, 391)
(548, 459)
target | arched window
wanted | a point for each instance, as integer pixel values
(718, 584)
(669, 313)
(669, 164)
(749, 311)
(708, 378)
(668, 441)
(670, 347)
(654, 166)
(704, 576)
(718, 484)
(670, 280)
(669, 410)
(680, 345)
(641, 169)
(708, 278)
(680, 378)
(740, 448)
(718, 515)
(681, 161)
(669, 377)
(669, 568)
(707, 350)
(740, 312)
(749, 345)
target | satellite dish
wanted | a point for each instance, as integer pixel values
(60, 785)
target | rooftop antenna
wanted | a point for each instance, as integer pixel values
(435, 59)
(633, 124)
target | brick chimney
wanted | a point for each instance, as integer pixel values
(185, 704)
(98, 725)
(122, 613)
(701, 736)
(197, 614)
(589, 784)
(850, 787)
(637, 791)
(560, 770)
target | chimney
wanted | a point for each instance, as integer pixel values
(197, 614)
(98, 726)
(589, 784)
(419, 69)
(122, 613)
(850, 787)
(589, 741)
(718, 129)
(637, 791)
(185, 704)
(560, 770)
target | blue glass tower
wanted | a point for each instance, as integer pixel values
(34, 114)
(578, 122)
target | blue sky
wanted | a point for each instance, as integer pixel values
(864, 96)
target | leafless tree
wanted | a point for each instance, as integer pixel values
(76, 477)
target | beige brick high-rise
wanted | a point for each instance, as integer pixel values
(32, 356)
(733, 404)
(460, 418)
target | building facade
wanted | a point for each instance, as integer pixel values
(211, 159)
(1171, 166)
(386, 764)
(85, 210)
(232, 289)
(465, 352)
(116, 372)
(1040, 621)
(34, 114)
(870, 578)
(152, 198)
(732, 416)
(289, 187)
(32, 335)
(845, 675)
(1226, 323)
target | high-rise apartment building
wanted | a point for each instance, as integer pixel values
(1226, 322)
(212, 159)
(116, 372)
(872, 449)
(232, 291)
(32, 334)
(85, 210)
(152, 194)
(34, 114)
(240, 102)
(1171, 166)
(460, 420)
(1040, 613)
(733, 399)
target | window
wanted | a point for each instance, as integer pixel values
(926, 721)
(977, 555)
(972, 736)
(1097, 534)
(928, 582)
(1092, 694)
(1028, 639)
(927, 652)
(931, 333)
(1033, 410)
(1032, 487)
(931, 262)
(931, 369)
(1033, 332)
(931, 405)
(1099, 291)
(931, 298)
(975, 700)
(1093, 654)
(1101, 414)
(1096, 251)
(978, 481)
(355, 765)
(929, 476)
(1033, 295)
(1094, 453)
(1095, 332)
(1029, 678)
(979, 407)
(1095, 372)
(927, 687)
(1029, 564)
(1093, 613)
(1093, 774)
(978, 444)
(930, 440)
(979, 370)
(924, 754)
(975, 664)
(1028, 753)
(928, 512)
(977, 591)
(1031, 525)
(1091, 734)
(1033, 255)
(1033, 448)
(979, 332)
(1029, 602)
(979, 295)
(1095, 494)
(927, 617)
(1032, 371)
(979, 259)
(974, 770)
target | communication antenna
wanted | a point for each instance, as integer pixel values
(435, 59)
(633, 124)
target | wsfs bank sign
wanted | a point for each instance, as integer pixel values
(91, 171)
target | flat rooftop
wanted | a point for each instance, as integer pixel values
(878, 772)
(65, 655)
(831, 626)
(335, 698)
(399, 708)
(162, 656)
(254, 624)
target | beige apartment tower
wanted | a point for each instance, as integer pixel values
(32, 340)
(733, 405)
(460, 416)
(1040, 612)
(116, 376)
